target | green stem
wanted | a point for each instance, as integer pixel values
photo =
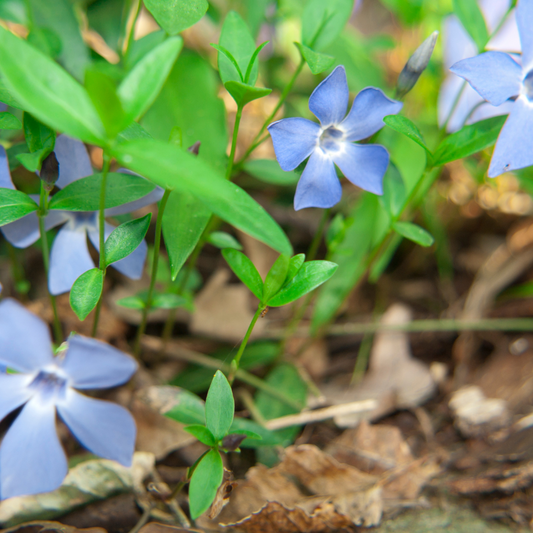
(43, 210)
(130, 13)
(283, 96)
(155, 264)
(237, 359)
(234, 142)
(101, 230)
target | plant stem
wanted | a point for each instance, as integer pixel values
(130, 13)
(101, 230)
(43, 210)
(283, 96)
(237, 359)
(155, 264)
(234, 142)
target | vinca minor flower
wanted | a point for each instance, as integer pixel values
(458, 103)
(69, 256)
(331, 143)
(497, 77)
(31, 457)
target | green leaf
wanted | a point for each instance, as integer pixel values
(184, 221)
(295, 264)
(222, 240)
(311, 275)
(168, 301)
(269, 171)
(187, 408)
(174, 16)
(9, 121)
(253, 61)
(245, 426)
(125, 239)
(172, 167)
(230, 58)
(205, 481)
(103, 94)
(5, 95)
(14, 205)
(276, 277)
(132, 302)
(141, 86)
(200, 114)
(317, 62)
(394, 191)
(219, 406)
(244, 94)
(60, 19)
(323, 21)
(201, 433)
(247, 432)
(471, 17)
(45, 90)
(134, 131)
(37, 135)
(45, 40)
(86, 292)
(414, 233)
(33, 162)
(142, 46)
(408, 128)
(469, 140)
(84, 194)
(245, 270)
(236, 38)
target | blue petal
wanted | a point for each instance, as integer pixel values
(74, 161)
(25, 343)
(494, 75)
(93, 364)
(5, 175)
(25, 231)
(364, 165)
(69, 259)
(513, 147)
(150, 198)
(14, 392)
(319, 185)
(329, 101)
(367, 112)
(132, 265)
(31, 457)
(104, 428)
(524, 19)
(294, 139)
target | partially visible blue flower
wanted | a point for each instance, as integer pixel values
(497, 77)
(469, 106)
(32, 459)
(69, 256)
(331, 143)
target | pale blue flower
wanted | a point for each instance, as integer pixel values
(497, 77)
(32, 459)
(69, 256)
(331, 142)
(469, 105)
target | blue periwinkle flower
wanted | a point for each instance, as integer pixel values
(497, 77)
(459, 104)
(331, 143)
(69, 256)
(31, 457)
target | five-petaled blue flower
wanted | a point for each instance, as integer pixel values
(31, 457)
(458, 103)
(69, 256)
(497, 77)
(331, 142)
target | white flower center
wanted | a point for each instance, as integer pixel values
(331, 139)
(49, 385)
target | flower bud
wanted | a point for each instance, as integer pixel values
(195, 148)
(416, 64)
(232, 441)
(49, 171)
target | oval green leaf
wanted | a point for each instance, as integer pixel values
(219, 406)
(408, 128)
(245, 270)
(276, 277)
(86, 292)
(175, 16)
(201, 433)
(205, 481)
(414, 233)
(269, 171)
(309, 277)
(14, 205)
(125, 239)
